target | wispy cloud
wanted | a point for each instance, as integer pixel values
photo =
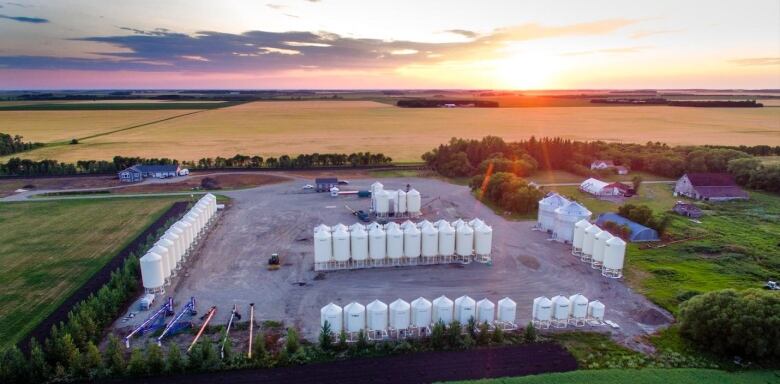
(643, 34)
(25, 19)
(20, 5)
(620, 50)
(463, 32)
(276, 6)
(752, 61)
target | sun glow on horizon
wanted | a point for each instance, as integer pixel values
(528, 72)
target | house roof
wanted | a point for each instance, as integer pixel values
(326, 180)
(154, 168)
(638, 231)
(715, 185)
(592, 185)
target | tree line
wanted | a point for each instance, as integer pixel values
(25, 167)
(14, 144)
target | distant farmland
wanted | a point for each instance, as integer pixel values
(280, 127)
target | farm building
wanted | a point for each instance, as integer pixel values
(139, 172)
(597, 187)
(602, 164)
(709, 186)
(324, 184)
(687, 209)
(637, 232)
(621, 170)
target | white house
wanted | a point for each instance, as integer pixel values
(597, 187)
(602, 164)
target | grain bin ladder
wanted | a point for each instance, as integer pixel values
(177, 324)
(208, 316)
(153, 322)
(234, 314)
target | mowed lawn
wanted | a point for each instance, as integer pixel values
(642, 376)
(50, 248)
(274, 128)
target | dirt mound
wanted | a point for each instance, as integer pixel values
(529, 262)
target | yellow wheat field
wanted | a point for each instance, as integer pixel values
(274, 128)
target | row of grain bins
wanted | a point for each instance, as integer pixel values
(561, 311)
(169, 253)
(422, 243)
(400, 203)
(558, 215)
(403, 319)
(599, 248)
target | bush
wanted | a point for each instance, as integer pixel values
(529, 335)
(728, 322)
(326, 336)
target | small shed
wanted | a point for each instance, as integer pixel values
(687, 210)
(638, 232)
(602, 164)
(324, 184)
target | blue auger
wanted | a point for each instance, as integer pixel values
(176, 324)
(153, 322)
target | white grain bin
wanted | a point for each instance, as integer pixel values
(421, 224)
(332, 313)
(542, 311)
(376, 316)
(170, 250)
(400, 202)
(334, 191)
(322, 227)
(357, 225)
(178, 243)
(560, 311)
(442, 310)
(475, 222)
(614, 255)
(339, 226)
(152, 274)
(190, 226)
(392, 198)
(323, 246)
(382, 203)
(395, 243)
(486, 311)
(354, 317)
(599, 245)
(446, 240)
(179, 230)
(457, 223)
(206, 208)
(376, 187)
(565, 219)
(464, 241)
(166, 268)
(407, 224)
(422, 312)
(169, 261)
(373, 225)
(400, 314)
(194, 218)
(596, 310)
(200, 214)
(412, 242)
(430, 241)
(483, 239)
(507, 311)
(465, 309)
(392, 224)
(185, 230)
(359, 244)
(413, 202)
(341, 245)
(439, 223)
(588, 239)
(578, 309)
(377, 243)
(547, 207)
(579, 236)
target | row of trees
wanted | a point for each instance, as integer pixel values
(508, 191)
(13, 144)
(643, 214)
(752, 173)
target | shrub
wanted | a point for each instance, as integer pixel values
(326, 336)
(529, 335)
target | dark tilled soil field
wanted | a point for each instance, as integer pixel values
(414, 368)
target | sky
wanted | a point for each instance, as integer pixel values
(353, 44)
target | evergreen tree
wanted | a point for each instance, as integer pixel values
(91, 364)
(211, 361)
(39, 370)
(362, 341)
(175, 361)
(326, 336)
(13, 366)
(438, 338)
(155, 362)
(69, 352)
(259, 352)
(498, 335)
(114, 357)
(529, 336)
(137, 365)
(292, 344)
(483, 337)
(195, 357)
(454, 337)
(342, 345)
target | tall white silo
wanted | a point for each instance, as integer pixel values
(599, 245)
(341, 245)
(565, 219)
(400, 314)
(373, 225)
(413, 202)
(547, 207)
(464, 241)
(377, 244)
(322, 227)
(412, 242)
(446, 240)
(407, 224)
(560, 311)
(457, 223)
(359, 245)
(185, 230)
(170, 252)
(152, 274)
(542, 312)
(168, 260)
(483, 240)
(354, 317)
(430, 241)
(382, 203)
(181, 231)
(588, 240)
(579, 237)
(507, 311)
(400, 202)
(392, 199)
(178, 245)
(188, 224)
(596, 310)
(356, 226)
(443, 309)
(323, 248)
(465, 309)
(578, 309)
(439, 223)
(486, 311)
(200, 215)
(340, 226)
(422, 312)
(195, 220)
(395, 243)
(475, 222)
(332, 313)
(376, 316)
(376, 187)
(614, 256)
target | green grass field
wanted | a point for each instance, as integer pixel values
(557, 176)
(643, 376)
(656, 196)
(49, 249)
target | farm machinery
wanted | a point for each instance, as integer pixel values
(233, 315)
(206, 319)
(178, 324)
(152, 323)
